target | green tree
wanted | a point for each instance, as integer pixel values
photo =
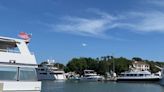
(103, 67)
(78, 65)
(121, 64)
(137, 58)
(59, 65)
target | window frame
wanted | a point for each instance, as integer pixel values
(17, 75)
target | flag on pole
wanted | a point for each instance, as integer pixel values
(24, 35)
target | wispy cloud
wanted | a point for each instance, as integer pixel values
(85, 26)
(153, 22)
(133, 21)
(144, 21)
(156, 2)
(136, 21)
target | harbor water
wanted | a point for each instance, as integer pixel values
(76, 86)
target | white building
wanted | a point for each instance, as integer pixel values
(140, 65)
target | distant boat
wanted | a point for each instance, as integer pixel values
(17, 67)
(91, 75)
(137, 75)
(49, 72)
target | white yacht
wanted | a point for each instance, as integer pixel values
(17, 67)
(49, 72)
(137, 75)
(91, 75)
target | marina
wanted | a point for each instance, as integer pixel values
(81, 46)
(19, 68)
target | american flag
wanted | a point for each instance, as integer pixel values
(24, 35)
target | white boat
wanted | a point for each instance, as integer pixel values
(91, 75)
(17, 67)
(49, 72)
(137, 75)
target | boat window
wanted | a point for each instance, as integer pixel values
(147, 74)
(127, 74)
(140, 74)
(27, 74)
(42, 69)
(87, 75)
(7, 73)
(131, 74)
(9, 47)
(44, 73)
(122, 75)
(56, 73)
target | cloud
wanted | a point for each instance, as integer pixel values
(103, 22)
(136, 21)
(85, 26)
(145, 22)
(156, 2)
(84, 44)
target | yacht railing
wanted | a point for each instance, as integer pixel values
(12, 63)
(9, 50)
(13, 51)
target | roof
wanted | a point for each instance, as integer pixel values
(139, 62)
(7, 42)
(9, 38)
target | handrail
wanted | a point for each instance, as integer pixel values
(8, 50)
(13, 51)
(9, 63)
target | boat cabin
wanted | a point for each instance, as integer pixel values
(135, 74)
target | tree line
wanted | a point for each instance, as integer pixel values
(104, 64)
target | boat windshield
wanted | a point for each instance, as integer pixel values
(8, 46)
(8, 73)
(17, 74)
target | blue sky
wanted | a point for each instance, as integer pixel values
(63, 29)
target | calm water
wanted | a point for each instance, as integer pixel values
(74, 86)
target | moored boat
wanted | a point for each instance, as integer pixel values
(17, 66)
(50, 72)
(137, 75)
(91, 75)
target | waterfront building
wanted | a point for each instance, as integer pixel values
(140, 65)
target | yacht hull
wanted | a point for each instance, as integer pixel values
(90, 79)
(16, 86)
(138, 79)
